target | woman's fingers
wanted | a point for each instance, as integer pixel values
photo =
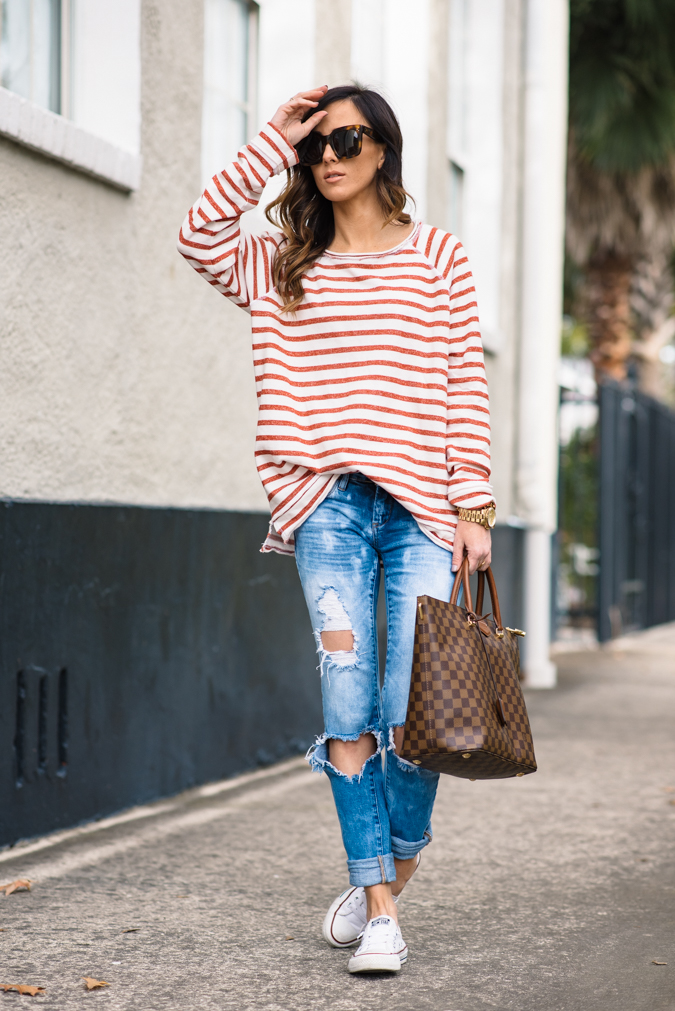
(292, 111)
(479, 558)
(315, 94)
(301, 103)
(473, 540)
(304, 100)
(304, 128)
(457, 550)
(288, 116)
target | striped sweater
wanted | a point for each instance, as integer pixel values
(380, 370)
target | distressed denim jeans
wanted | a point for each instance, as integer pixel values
(385, 809)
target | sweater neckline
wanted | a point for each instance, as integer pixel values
(408, 241)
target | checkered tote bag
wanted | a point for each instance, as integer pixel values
(466, 712)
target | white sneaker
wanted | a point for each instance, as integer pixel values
(382, 948)
(346, 919)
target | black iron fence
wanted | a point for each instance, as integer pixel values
(636, 586)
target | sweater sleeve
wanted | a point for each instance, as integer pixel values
(467, 442)
(211, 240)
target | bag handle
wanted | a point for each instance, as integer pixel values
(482, 576)
(462, 577)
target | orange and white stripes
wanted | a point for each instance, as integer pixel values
(380, 369)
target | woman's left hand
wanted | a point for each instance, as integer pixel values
(473, 540)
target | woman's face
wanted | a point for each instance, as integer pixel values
(342, 180)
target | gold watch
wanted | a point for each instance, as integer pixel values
(486, 516)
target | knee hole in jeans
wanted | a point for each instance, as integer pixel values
(336, 636)
(350, 757)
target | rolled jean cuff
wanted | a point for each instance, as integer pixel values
(372, 870)
(404, 850)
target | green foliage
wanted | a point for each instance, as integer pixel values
(622, 82)
(573, 282)
(579, 488)
(578, 516)
(575, 341)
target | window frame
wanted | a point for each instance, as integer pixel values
(58, 137)
(250, 106)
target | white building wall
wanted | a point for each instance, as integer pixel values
(480, 125)
(368, 42)
(545, 123)
(124, 378)
(482, 158)
(285, 25)
(286, 53)
(502, 368)
(390, 51)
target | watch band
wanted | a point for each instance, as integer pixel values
(485, 516)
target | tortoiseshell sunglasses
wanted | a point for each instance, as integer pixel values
(345, 141)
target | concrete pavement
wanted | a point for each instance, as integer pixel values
(551, 893)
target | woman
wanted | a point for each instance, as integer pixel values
(372, 446)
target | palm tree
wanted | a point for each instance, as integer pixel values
(621, 175)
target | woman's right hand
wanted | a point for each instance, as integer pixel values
(288, 117)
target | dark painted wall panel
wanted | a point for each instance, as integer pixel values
(186, 655)
(189, 656)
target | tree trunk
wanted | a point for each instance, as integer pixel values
(652, 298)
(608, 312)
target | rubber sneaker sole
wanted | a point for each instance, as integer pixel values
(376, 962)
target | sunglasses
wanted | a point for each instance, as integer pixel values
(346, 142)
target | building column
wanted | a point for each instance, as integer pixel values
(437, 101)
(333, 42)
(540, 672)
(543, 206)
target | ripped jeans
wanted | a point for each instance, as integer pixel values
(385, 810)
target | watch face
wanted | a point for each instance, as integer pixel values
(491, 516)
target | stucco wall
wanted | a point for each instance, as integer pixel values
(124, 377)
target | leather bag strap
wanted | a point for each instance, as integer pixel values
(463, 578)
(492, 586)
(480, 593)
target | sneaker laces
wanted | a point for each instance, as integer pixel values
(378, 931)
(355, 900)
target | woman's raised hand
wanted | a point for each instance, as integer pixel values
(288, 116)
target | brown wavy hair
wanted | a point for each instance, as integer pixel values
(305, 216)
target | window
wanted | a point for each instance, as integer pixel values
(30, 50)
(80, 60)
(230, 48)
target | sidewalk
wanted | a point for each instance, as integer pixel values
(551, 893)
